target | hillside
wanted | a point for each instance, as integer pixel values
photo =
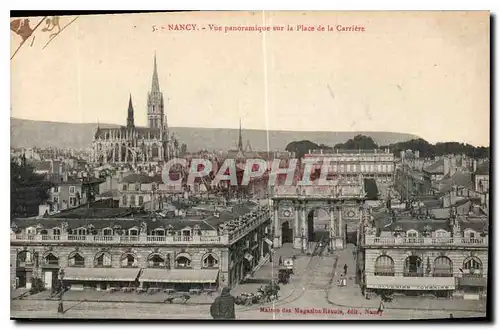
(30, 133)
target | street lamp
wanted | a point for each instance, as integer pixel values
(60, 308)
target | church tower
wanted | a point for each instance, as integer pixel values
(130, 113)
(156, 117)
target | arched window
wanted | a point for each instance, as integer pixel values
(75, 259)
(158, 232)
(107, 232)
(31, 230)
(128, 260)
(412, 236)
(43, 232)
(80, 231)
(384, 266)
(133, 232)
(469, 233)
(56, 231)
(473, 266)
(413, 267)
(440, 233)
(156, 260)
(25, 258)
(210, 261)
(443, 267)
(183, 260)
(50, 259)
(102, 259)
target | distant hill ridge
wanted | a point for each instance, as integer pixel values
(43, 134)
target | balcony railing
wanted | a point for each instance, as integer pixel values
(427, 241)
(140, 239)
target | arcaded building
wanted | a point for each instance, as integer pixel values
(418, 254)
(199, 247)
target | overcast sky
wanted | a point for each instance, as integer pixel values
(421, 73)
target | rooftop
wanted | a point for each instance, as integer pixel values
(436, 168)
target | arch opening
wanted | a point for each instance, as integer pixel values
(318, 224)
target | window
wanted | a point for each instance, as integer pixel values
(102, 259)
(75, 259)
(413, 267)
(128, 260)
(132, 200)
(156, 261)
(51, 259)
(443, 267)
(56, 189)
(71, 190)
(56, 231)
(107, 232)
(183, 261)
(124, 187)
(210, 261)
(473, 266)
(141, 200)
(72, 201)
(137, 187)
(384, 266)
(133, 232)
(124, 200)
(79, 231)
(55, 199)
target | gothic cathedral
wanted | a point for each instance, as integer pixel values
(133, 144)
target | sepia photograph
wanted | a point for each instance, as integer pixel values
(250, 165)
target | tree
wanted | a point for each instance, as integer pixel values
(28, 190)
(358, 142)
(183, 149)
(300, 148)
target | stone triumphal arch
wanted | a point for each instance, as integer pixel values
(294, 208)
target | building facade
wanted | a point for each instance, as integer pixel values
(412, 255)
(351, 164)
(118, 248)
(133, 144)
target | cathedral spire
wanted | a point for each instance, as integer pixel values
(155, 85)
(240, 140)
(130, 114)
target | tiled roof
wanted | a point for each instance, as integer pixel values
(42, 166)
(483, 168)
(176, 223)
(142, 132)
(436, 168)
(142, 178)
(461, 179)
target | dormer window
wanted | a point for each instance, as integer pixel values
(412, 234)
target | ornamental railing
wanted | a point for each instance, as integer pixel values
(426, 241)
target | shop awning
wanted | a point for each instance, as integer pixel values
(248, 256)
(101, 274)
(179, 275)
(410, 283)
(472, 281)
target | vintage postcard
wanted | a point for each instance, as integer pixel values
(250, 165)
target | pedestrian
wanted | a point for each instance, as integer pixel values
(223, 306)
(280, 262)
(381, 307)
(345, 269)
